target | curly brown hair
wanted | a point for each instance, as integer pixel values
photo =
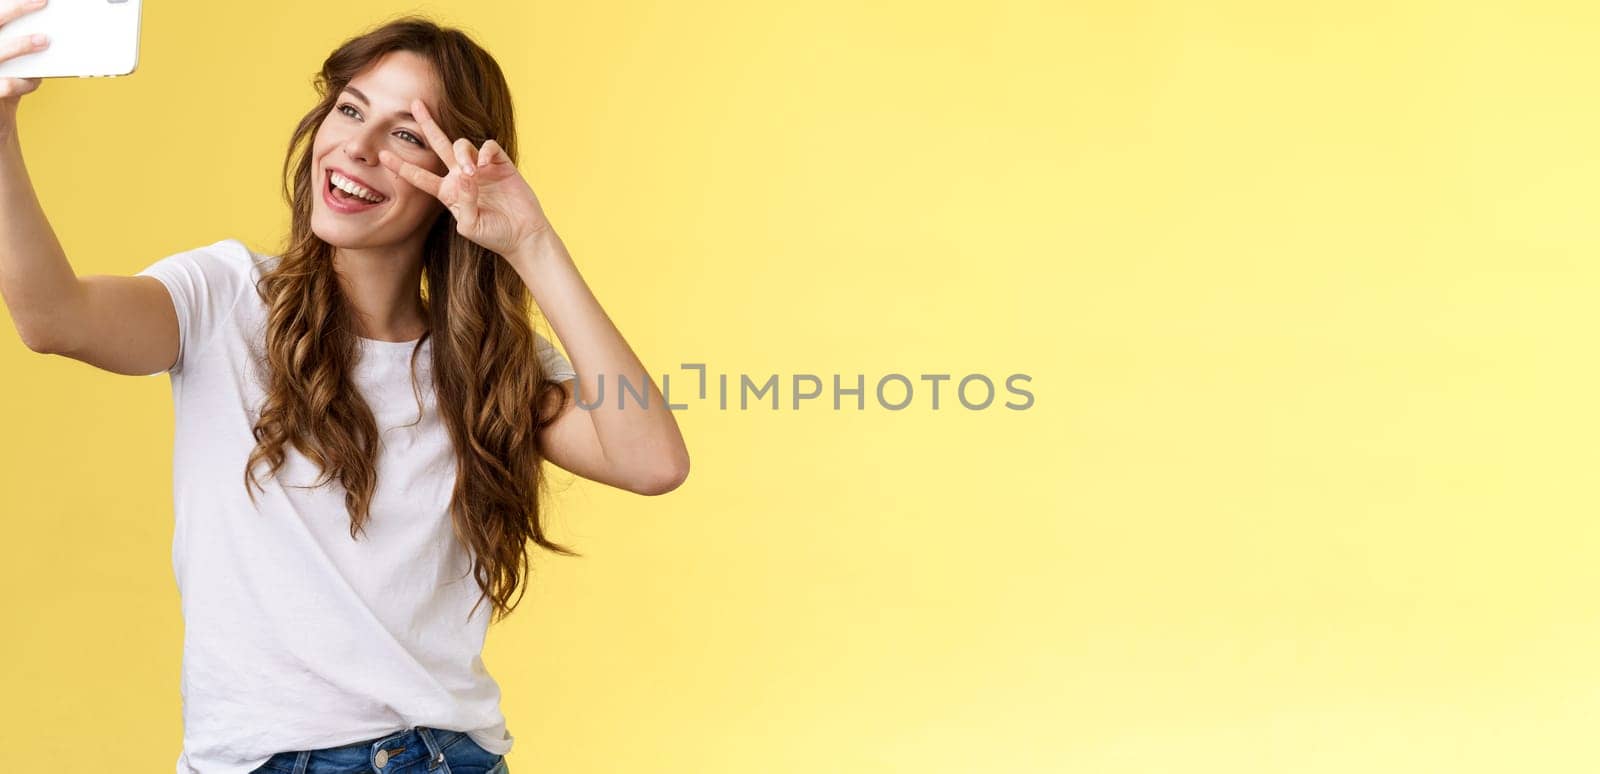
(491, 391)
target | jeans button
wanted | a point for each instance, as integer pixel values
(383, 758)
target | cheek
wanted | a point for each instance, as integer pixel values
(416, 198)
(323, 140)
(417, 207)
(423, 157)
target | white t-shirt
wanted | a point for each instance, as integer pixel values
(297, 637)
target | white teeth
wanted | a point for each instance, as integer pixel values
(350, 187)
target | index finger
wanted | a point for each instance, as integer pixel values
(436, 137)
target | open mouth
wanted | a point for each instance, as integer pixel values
(346, 195)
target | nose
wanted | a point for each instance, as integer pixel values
(357, 151)
(360, 148)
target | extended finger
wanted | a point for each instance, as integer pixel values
(25, 44)
(437, 139)
(464, 153)
(411, 173)
(14, 10)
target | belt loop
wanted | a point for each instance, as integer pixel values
(301, 761)
(435, 755)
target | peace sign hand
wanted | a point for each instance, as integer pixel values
(492, 204)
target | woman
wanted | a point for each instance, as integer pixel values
(389, 433)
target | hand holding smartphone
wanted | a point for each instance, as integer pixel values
(87, 38)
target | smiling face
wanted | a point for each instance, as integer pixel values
(359, 203)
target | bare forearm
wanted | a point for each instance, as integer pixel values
(36, 279)
(633, 436)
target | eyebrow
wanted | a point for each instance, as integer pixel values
(406, 114)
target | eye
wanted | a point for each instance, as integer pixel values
(351, 111)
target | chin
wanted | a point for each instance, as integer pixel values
(334, 236)
(328, 228)
(337, 232)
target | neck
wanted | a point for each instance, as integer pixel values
(383, 284)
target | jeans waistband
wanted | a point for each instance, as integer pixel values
(418, 748)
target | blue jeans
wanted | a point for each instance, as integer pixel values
(417, 750)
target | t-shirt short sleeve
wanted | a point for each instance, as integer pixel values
(204, 284)
(556, 366)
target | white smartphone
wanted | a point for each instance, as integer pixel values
(88, 39)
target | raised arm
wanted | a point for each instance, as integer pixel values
(124, 325)
(634, 447)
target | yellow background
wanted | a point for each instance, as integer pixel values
(1305, 290)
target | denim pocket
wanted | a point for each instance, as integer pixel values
(468, 757)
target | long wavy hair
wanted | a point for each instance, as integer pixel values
(491, 391)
